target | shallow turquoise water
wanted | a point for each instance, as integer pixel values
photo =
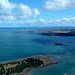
(21, 45)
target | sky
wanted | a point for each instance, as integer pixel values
(20, 13)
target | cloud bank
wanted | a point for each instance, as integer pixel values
(21, 14)
(59, 4)
(43, 22)
(13, 11)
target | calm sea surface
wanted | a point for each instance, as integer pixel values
(15, 45)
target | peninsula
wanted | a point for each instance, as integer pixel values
(24, 66)
(50, 32)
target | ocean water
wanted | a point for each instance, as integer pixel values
(15, 45)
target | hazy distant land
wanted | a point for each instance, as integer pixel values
(51, 32)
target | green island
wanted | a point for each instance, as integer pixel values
(24, 66)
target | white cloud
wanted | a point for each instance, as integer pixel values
(6, 7)
(7, 18)
(27, 12)
(36, 12)
(61, 22)
(43, 22)
(40, 22)
(21, 14)
(13, 11)
(59, 4)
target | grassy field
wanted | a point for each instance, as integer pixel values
(8, 66)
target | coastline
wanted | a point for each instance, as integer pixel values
(64, 32)
(29, 70)
(45, 59)
(20, 59)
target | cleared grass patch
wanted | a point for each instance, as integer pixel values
(8, 66)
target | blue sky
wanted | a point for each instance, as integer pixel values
(14, 13)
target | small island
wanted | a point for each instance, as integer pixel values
(60, 44)
(24, 66)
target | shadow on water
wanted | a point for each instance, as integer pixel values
(49, 42)
(67, 43)
(42, 41)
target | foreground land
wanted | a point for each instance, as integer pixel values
(22, 67)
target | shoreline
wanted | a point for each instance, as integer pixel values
(29, 70)
(44, 60)
(20, 59)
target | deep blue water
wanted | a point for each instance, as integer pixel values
(21, 45)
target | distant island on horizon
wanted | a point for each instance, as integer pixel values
(62, 32)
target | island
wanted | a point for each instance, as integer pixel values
(57, 32)
(24, 66)
(60, 44)
(50, 32)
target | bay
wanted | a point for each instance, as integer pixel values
(15, 46)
